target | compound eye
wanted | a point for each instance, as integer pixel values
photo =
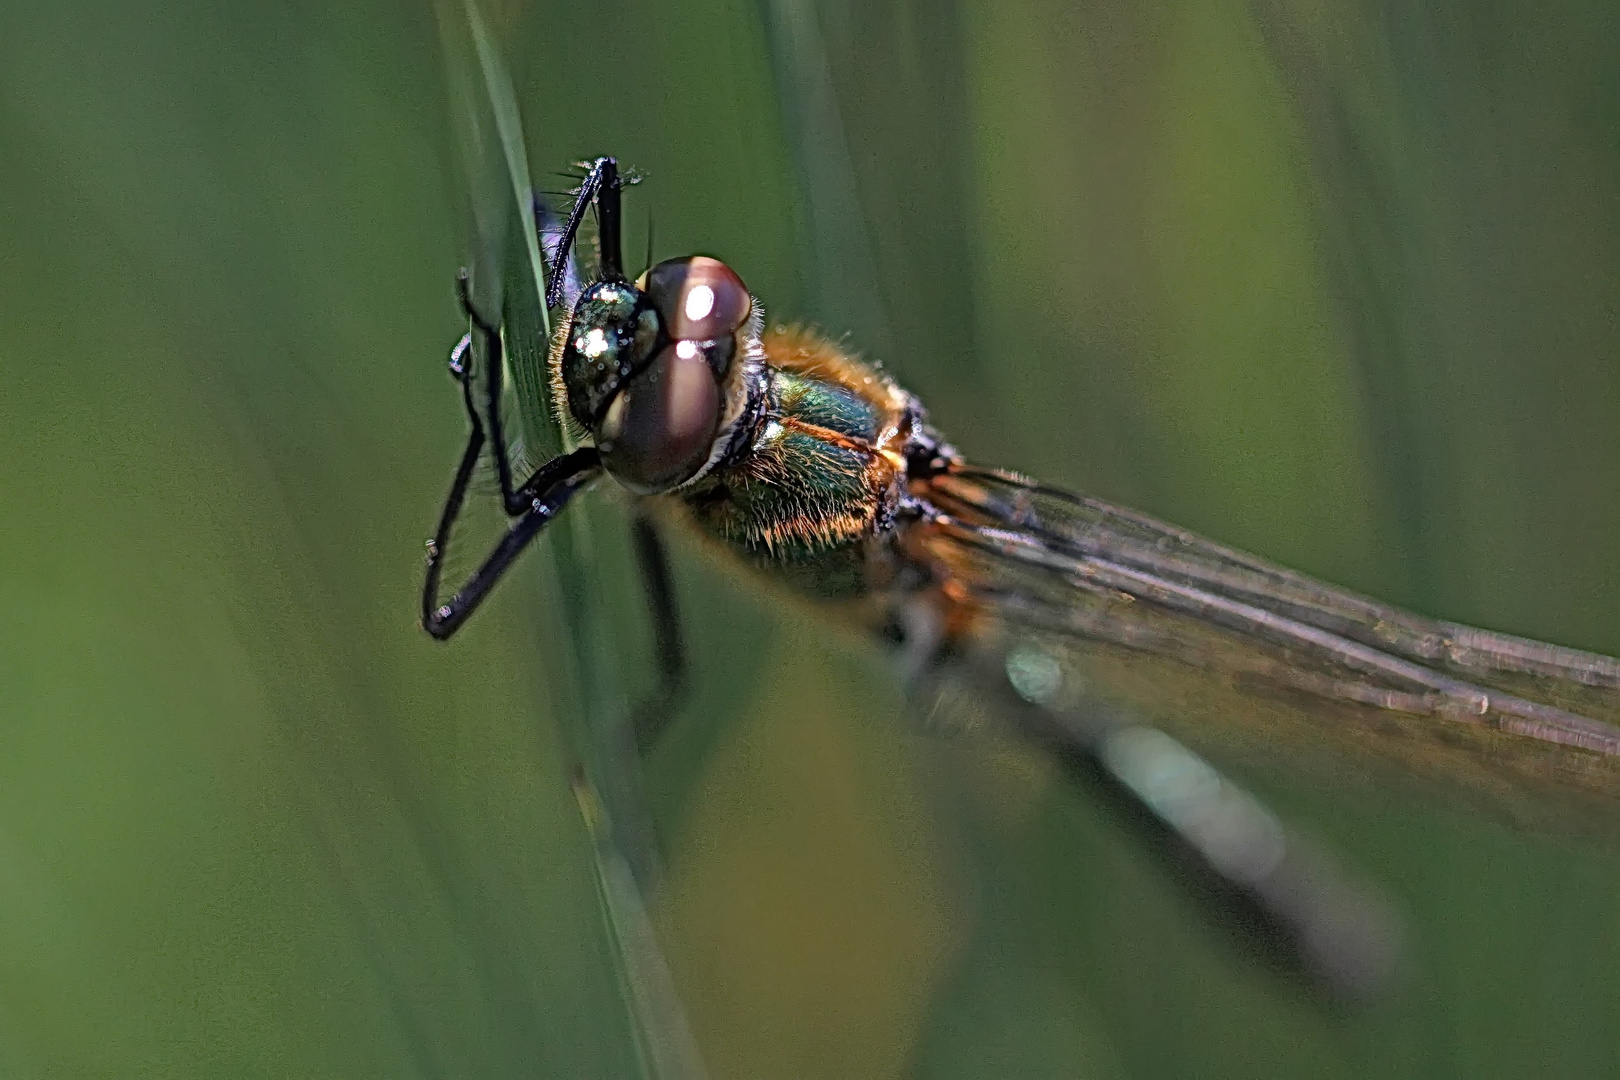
(699, 298)
(660, 429)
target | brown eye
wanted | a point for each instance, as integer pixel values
(660, 429)
(699, 298)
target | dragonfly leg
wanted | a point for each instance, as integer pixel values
(601, 185)
(548, 492)
(651, 716)
(540, 498)
(514, 499)
(549, 228)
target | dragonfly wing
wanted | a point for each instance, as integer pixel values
(1237, 656)
(1284, 890)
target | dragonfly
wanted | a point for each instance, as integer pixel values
(1075, 621)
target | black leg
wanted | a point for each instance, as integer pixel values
(541, 498)
(564, 266)
(652, 716)
(555, 484)
(515, 500)
(601, 185)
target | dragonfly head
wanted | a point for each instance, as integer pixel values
(647, 368)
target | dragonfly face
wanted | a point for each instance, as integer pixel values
(822, 471)
(778, 444)
(650, 370)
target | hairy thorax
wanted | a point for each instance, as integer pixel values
(813, 496)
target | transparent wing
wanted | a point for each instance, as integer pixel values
(1238, 656)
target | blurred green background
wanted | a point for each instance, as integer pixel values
(1333, 282)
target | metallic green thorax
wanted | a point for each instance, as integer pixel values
(812, 492)
(815, 401)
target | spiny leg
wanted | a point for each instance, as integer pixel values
(553, 485)
(601, 185)
(565, 267)
(539, 500)
(460, 366)
(515, 500)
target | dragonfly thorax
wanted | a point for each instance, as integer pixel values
(646, 368)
